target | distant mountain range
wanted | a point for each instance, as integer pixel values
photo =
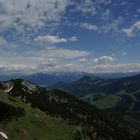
(88, 85)
(53, 78)
(48, 79)
(119, 95)
(34, 112)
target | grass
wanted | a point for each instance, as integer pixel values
(107, 102)
(35, 125)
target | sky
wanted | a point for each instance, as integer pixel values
(95, 36)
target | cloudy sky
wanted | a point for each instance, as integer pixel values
(69, 35)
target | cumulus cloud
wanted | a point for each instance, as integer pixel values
(131, 31)
(50, 39)
(89, 26)
(104, 59)
(54, 59)
(50, 59)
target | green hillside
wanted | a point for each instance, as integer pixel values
(127, 105)
(36, 113)
(88, 85)
(120, 95)
(35, 124)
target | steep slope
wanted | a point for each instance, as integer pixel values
(117, 95)
(89, 85)
(83, 86)
(121, 95)
(20, 121)
(91, 122)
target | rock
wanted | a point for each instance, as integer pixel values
(3, 136)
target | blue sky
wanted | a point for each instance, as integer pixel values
(69, 35)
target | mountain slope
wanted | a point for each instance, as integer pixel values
(89, 85)
(91, 122)
(30, 123)
(83, 86)
(121, 95)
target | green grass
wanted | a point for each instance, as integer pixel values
(107, 102)
(104, 84)
(35, 125)
(90, 98)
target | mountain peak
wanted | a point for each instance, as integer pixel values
(19, 84)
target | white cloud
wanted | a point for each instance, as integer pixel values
(89, 26)
(104, 59)
(45, 67)
(128, 32)
(54, 59)
(87, 7)
(131, 31)
(112, 24)
(32, 13)
(82, 60)
(66, 53)
(73, 39)
(49, 39)
(36, 16)
(118, 68)
(50, 59)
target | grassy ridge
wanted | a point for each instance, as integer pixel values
(35, 125)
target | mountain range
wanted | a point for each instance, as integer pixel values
(35, 113)
(49, 79)
(119, 95)
(87, 85)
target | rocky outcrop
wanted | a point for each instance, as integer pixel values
(3, 136)
(8, 86)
